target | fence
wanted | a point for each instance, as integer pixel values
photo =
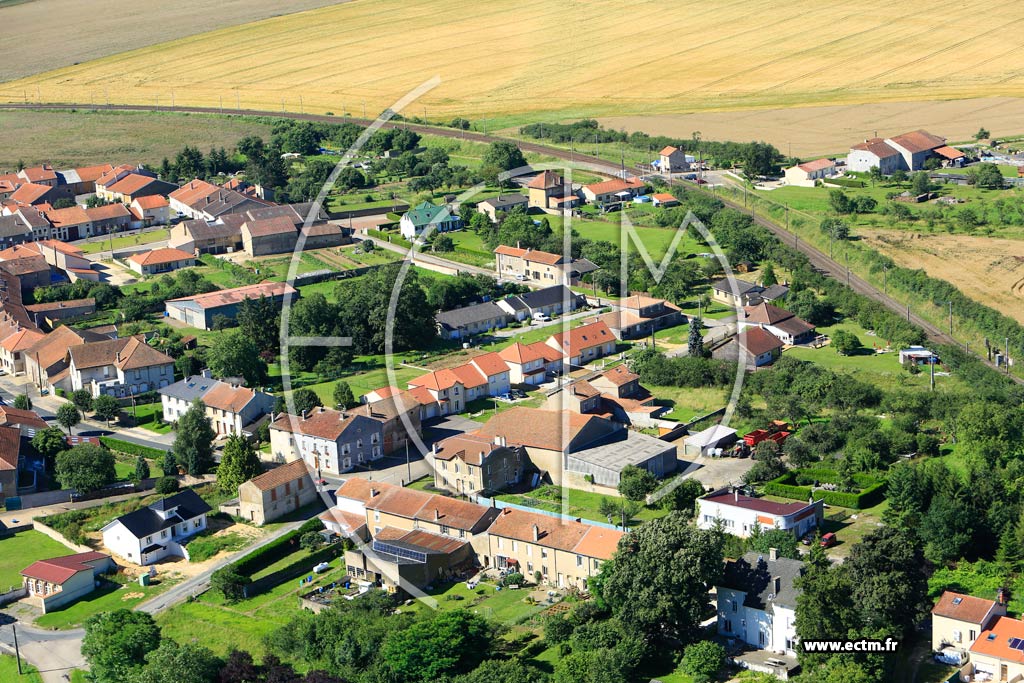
(501, 505)
(59, 537)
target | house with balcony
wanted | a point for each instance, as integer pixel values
(329, 441)
(157, 531)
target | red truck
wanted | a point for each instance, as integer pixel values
(777, 431)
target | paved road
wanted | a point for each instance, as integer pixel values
(54, 653)
(817, 258)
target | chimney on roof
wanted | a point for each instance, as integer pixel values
(773, 554)
(118, 356)
(777, 584)
(536, 532)
(506, 511)
(736, 495)
(373, 492)
(437, 514)
(303, 414)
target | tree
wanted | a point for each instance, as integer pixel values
(657, 583)
(683, 497)
(106, 407)
(49, 442)
(783, 541)
(188, 364)
(982, 134)
(920, 183)
(636, 483)
(845, 343)
(68, 416)
(695, 338)
(236, 355)
(82, 398)
(703, 660)
(449, 642)
(22, 402)
(502, 671)
(173, 663)
(85, 468)
(889, 585)
(759, 159)
(305, 400)
(230, 583)
(311, 541)
(168, 484)
(899, 176)
(342, 395)
(840, 201)
(238, 464)
(260, 320)
(193, 441)
(442, 243)
(986, 176)
(141, 469)
(504, 155)
(768, 277)
(875, 174)
(117, 642)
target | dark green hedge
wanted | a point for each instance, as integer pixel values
(274, 551)
(129, 448)
(846, 182)
(785, 487)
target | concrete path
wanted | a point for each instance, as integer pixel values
(54, 653)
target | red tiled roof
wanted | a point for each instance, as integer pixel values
(57, 570)
(614, 185)
(548, 429)
(817, 165)
(90, 174)
(131, 183)
(29, 193)
(520, 354)
(755, 504)
(758, 341)
(73, 215)
(348, 521)
(38, 174)
(322, 423)
(439, 380)
(545, 180)
(17, 416)
(599, 542)
(583, 337)
(162, 255)
(664, 197)
(153, 201)
(490, 363)
(226, 397)
(357, 488)
(108, 211)
(10, 447)
(995, 642)
(948, 152)
(963, 607)
(877, 146)
(667, 151)
(280, 475)
(620, 375)
(919, 141)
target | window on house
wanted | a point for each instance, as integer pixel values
(197, 523)
(163, 534)
(445, 530)
(579, 560)
(376, 515)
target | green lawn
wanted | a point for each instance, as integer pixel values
(9, 670)
(147, 237)
(880, 369)
(361, 382)
(206, 545)
(21, 550)
(222, 626)
(655, 240)
(583, 504)
(504, 606)
(111, 596)
(686, 404)
(148, 416)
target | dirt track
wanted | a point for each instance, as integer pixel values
(818, 259)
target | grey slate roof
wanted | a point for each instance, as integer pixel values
(550, 296)
(468, 315)
(13, 226)
(190, 388)
(754, 574)
(505, 202)
(145, 521)
(742, 286)
(775, 292)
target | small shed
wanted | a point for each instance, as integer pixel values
(713, 437)
(918, 355)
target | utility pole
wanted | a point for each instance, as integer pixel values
(408, 465)
(1006, 354)
(950, 318)
(17, 651)
(931, 364)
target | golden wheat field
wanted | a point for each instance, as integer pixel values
(987, 269)
(536, 58)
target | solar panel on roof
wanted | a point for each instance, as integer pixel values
(1017, 644)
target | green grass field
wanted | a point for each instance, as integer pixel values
(21, 550)
(9, 671)
(583, 504)
(686, 404)
(147, 237)
(504, 606)
(111, 596)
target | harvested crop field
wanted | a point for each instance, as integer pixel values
(805, 131)
(989, 270)
(536, 59)
(56, 33)
(65, 138)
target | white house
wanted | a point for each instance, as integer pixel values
(584, 344)
(231, 407)
(152, 533)
(424, 215)
(739, 514)
(756, 602)
(806, 174)
(119, 367)
(329, 441)
(873, 152)
(672, 159)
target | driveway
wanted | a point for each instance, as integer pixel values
(54, 653)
